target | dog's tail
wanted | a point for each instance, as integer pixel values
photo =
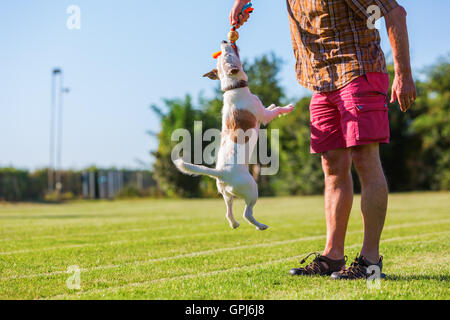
(194, 169)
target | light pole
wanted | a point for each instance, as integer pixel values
(62, 91)
(55, 73)
(52, 167)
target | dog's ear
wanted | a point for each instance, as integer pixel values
(213, 74)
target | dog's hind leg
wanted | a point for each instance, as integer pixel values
(229, 203)
(250, 201)
(248, 215)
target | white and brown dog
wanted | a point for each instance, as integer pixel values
(241, 114)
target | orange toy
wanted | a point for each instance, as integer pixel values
(215, 55)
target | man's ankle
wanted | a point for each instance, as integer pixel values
(372, 258)
(333, 255)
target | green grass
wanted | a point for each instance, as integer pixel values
(184, 249)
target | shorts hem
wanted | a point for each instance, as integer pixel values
(348, 144)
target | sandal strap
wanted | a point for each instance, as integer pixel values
(322, 264)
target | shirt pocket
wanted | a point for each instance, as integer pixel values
(372, 122)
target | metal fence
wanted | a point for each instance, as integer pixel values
(107, 184)
(93, 183)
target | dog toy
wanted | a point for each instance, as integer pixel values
(233, 35)
(215, 55)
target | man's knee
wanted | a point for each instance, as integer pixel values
(366, 157)
(336, 163)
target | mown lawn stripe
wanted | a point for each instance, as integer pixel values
(217, 272)
(191, 235)
(201, 253)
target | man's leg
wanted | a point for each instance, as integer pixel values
(374, 197)
(326, 134)
(336, 165)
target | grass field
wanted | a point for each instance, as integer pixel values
(184, 249)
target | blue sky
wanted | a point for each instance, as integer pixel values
(130, 54)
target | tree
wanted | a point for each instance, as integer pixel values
(432, 124)
(417, 158)
(179, 114)
(263, 79)
(400, 156)
(300, 171)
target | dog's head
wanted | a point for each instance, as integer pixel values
(229, 67)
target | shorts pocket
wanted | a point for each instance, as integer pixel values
(372, 122)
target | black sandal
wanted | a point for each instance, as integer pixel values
(321, 265)
(359, 269)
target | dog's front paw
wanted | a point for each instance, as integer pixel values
(282, 111)
(288, 109)
(262, 227)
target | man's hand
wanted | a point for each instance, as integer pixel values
(235, 14)
(403, 88)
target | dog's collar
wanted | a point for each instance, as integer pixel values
(236, 85)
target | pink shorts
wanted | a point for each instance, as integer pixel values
(354, 115)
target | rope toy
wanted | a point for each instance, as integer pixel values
(233, 35)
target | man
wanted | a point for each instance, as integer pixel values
(338, 55)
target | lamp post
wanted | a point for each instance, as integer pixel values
(62, 91)
(52, 167)
(55, 73)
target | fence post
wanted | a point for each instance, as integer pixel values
(139, 180)
(110, 181)
(92, 184)
(102, 184)
(85, 184)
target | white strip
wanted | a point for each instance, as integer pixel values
(186, 276)
(87, 234)
(107, 232)
(81, 245)
(187, 255)
(215, 272)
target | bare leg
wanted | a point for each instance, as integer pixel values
(229, 202)
(374, 197)
(336, 165)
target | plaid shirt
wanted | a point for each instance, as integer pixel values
(332, 42)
